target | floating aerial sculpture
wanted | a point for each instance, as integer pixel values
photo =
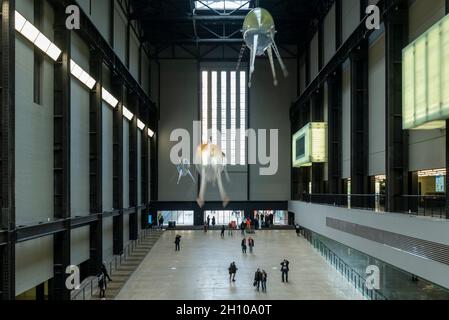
(258, 33)
(211, 163)
(184, 169)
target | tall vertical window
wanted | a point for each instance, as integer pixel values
(233, 117)
(214, 106)
(204, 105)
(224, 95)
(242, 117)
(223, 112)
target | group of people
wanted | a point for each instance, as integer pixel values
(245, 244)
(261, 276)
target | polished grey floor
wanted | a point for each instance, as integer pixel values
(200, 270)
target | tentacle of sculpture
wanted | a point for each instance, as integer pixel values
(253, 58)
(278, 55)
(223, 194)
(273, 69)
(202, 192)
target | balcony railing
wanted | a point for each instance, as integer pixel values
(428, 206)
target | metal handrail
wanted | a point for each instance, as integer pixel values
(113, 264)
(345, 269)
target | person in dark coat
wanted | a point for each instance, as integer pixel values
(257, 279)
(104, 272)
(263, 280)
(285, 269)
(161, 221)
(244, 245)
(208, 221)
(298, 230)
(213, 222)
(232, 271)
(223, 231)
(242, 227)
(102, 286)
(177, 243)
(251, 244)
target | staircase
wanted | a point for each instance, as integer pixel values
(128, 266)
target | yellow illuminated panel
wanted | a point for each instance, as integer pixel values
(309, 145)
(426, 79)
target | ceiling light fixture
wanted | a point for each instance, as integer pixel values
(127, 114)
(109, 98)
(140, 124)
(150, 133)
(81, 75)
(29, 31)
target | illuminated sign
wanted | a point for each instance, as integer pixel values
(309, 145)
(425, 71)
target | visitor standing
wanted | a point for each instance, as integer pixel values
(257, 278)
(263, 280)
(208, 222)
(251, 244)
(285, 269)
(244, 245)
(161, 221)
(105, 273)
(223, 231)
(102, 286)
(213, 222)
(232, 271)
(177, 243)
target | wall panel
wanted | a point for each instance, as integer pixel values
(376, 131)
(346, 122)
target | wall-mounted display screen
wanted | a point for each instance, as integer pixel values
(310, 145)
(300, 147)
(439, 184)
(425, 71)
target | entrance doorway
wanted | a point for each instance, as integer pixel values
(224, 217)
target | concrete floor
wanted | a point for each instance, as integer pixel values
(200, 270)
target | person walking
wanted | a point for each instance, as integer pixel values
(263, 280)
(232, 271)
(244, 245)
(285, 269)
(257, 279)
(102, 286)
(177, 243)
(208, 222)
(230, 231)
(242, 227)
(298, 230)
(161, 221)
(104, 272)
(251, 244)
(213, 223)
(223, 231)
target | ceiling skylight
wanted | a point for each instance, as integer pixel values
(222, 5)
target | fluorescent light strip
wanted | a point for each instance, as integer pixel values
(127, 114)
(150, 133)
(81, 75)
(29, 31)
(109, 98)
(140, 124)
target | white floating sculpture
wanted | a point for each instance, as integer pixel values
(258, 34)
(211, 163)
(184, 169)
